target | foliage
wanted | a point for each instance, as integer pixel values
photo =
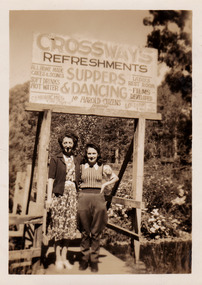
(166, 256)
(173, 43)
(22, 129)
(167, 195)
(172, 136)
(109, 133)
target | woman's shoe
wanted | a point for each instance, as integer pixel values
(94, 267)
(59, 265)
(83, 265)
(67, 265)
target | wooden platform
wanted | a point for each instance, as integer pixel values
(108, 264)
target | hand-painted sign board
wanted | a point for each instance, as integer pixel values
(86, 73)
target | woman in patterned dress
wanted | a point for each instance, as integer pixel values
(62, 197)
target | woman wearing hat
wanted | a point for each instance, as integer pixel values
(92, 212)
(62, 197)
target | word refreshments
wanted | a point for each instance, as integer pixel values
(57, 58)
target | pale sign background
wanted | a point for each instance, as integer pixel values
(79, 72)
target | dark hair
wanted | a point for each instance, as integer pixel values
(97, 148)
(68, 134)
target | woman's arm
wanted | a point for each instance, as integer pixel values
(51, 178)
(111, 177)
(50, 190)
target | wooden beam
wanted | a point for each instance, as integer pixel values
(92, 111)
(38, 236)
(121, 230)
(18, 191)
(128, 202)
(20, 264)
(138, 159)
(26, 189)
(34, 157)
(138, 175)
(16, 233)
(43, 160)
(23, 219)
(121, 172)
(24, 253)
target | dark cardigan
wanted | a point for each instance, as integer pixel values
(57, 171)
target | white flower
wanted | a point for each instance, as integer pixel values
(152, 230)
(175, 221)
(181, 192)
(155, 212)
(151, 220)
(156, 226)
(178, 201)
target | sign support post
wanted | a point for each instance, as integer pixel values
(43, 160)
(138, 175)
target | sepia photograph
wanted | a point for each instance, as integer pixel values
(100, 133)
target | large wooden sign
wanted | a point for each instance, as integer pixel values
(85, 73)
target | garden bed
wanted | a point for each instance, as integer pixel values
(164, 256)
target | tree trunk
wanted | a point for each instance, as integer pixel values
(117, 155)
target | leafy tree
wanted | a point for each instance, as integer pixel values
(174, 47)
(169, 36)
(22, 129)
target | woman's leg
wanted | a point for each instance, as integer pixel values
(64, 255)
(58, 251)
(58, 261)
(99, 222)
(84, 220)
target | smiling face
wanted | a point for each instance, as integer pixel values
(92, 155)
(68, 145)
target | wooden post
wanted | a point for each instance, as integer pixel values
(138, 173)
(40, 118)
(43, 160)
(121, 172)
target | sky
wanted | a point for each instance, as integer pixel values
(124, 27)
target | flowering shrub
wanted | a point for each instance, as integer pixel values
(156, 225)
(167, 195)
(120, 215)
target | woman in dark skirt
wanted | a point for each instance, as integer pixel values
(92, 212)
(62, 197)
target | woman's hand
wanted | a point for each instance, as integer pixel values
(49, 196)
(48, 203)
(102, 188)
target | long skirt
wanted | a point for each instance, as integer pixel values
(63, 210)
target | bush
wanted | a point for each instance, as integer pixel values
(167, 195)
